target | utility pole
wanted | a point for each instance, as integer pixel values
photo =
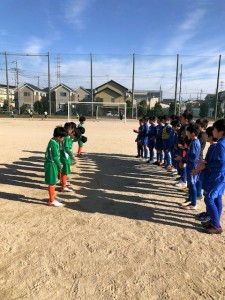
(175, 98)
(49, 86)
(201, 94)
(180, 89)
(133, 85)
(7, 79)
(17, 84)
(217, 87)
(160, 94)
(92, 95)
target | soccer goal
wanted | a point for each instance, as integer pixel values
(98, 110)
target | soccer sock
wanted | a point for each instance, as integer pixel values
(51, 192)
(79, 150)
(158, 156)
(63, 180)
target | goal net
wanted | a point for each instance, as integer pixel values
(98, 110)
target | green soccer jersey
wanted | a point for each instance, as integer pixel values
(80, 143)
(52, 162)
(66, 154)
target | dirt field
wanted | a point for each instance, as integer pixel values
(122, 234)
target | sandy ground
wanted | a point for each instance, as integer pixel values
(122, 234)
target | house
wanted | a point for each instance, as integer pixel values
(3, 95)
(60, 96)
(110, 92)
(146, 95)
(82, 94)
(28, 94)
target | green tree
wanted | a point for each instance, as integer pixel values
(204, 110)
(219, 111)
(189, 107)
(38, 107)
(142, 108)
(171, 108)
(129, 108)
(5, 105)
(157, 111)
(23, 109)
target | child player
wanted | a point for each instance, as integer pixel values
(145, 130)
(82, 120)
(165, 141)
(191, 159)
(138, 139)
(151, 139)
(204, 216)
(66, 156)
(172, 144)
(202, 123)
(158, 143)
(53, 164)
(182, 146)
(215, 174)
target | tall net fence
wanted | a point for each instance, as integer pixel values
(187, 77)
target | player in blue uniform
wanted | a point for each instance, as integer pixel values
(145, 130)
(165, 140)
(151, 139)
(214, 189)
(191, 159)
(158, 143)
(203, 175)
(139, 139)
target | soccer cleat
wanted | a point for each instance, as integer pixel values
(170, 168)
(186, 203)
(214, 230)
(185, 190)
(55, 203)
(66, 189)
(181, 184)
(59, 199)
(190, 207)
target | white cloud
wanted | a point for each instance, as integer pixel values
(192, 20)
(74, 12)
(34, 45)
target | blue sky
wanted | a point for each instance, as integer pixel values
(156, 30)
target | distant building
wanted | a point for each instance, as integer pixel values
(60, 96)
(110, 92)
(82, 94)
(146, 95)
(28, 94)
(3, 94)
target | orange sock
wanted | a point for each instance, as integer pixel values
(51, 192)
(63, 180)
(79, 150)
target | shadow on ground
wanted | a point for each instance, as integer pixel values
(123, 186)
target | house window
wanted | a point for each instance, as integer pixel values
(36, 93)
(63, 94)
(26, 94)
(113, 100)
